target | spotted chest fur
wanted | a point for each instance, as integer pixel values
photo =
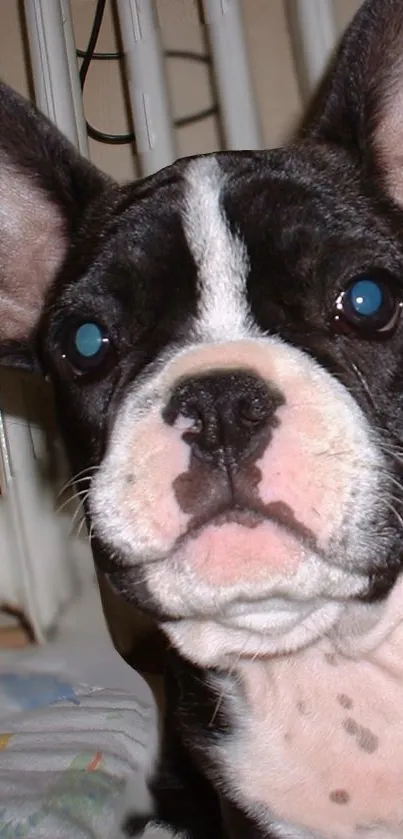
(320, 750)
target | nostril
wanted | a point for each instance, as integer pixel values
(232, 413)
(204, 432)
(198, 424)
(253, 412)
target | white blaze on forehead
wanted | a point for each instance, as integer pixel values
(220, 255)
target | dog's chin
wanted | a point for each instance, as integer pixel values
(250, 631)
(218, 597)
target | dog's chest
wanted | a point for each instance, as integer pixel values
(319, 744)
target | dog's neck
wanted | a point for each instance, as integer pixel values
(319, 736)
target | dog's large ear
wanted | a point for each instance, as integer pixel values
(362, 102)
(45, 187)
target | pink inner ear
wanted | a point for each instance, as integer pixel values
(388, 134)
(32, 247)
(389, 145)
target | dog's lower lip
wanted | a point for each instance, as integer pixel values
(247, 517)
(244, 516)
(238, 515)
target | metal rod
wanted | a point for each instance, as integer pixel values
(313, 36)
(74, 78)
(237, 102)
(51, 42)
(147, 84)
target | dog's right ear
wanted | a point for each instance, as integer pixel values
(45, 188)
(360, 107)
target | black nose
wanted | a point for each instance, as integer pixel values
(233, 412)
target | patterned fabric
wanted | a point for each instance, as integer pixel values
(68, 753)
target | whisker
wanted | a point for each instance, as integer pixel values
(74, 479)
(363, 382)
(343, 453)
(73, 529)
(81, 526)
(394, 453)
(228, 675)
(69, 500)
(79, 495)
(393, 480)
(394, 511)
(79, 507)
(83, 480)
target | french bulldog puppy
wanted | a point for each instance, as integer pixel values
(225, 344)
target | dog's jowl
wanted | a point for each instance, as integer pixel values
(225, 343)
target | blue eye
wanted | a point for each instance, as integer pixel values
(366, 297)
(370, 304)
(88, 339)
(88, 348)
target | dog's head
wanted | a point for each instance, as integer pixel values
(225, 342)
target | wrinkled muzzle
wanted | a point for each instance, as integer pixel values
(240, 492)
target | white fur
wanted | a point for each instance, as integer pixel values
(224, 321)
(220, 256)
(239, 618)
(250, 618)
(274, 753)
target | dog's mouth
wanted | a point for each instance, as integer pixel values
(246, 517)
(241, 516)
(251, 517)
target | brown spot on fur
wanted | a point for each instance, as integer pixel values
(284, 515)
(339, 796)
(351, 726)
(208, 495)
(345, 701)
(200, 490)
(366, 739)
(331, 658)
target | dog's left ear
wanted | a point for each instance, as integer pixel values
(45, 188)
(362, 103)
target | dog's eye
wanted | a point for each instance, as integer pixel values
(370, 304)
(87, 347)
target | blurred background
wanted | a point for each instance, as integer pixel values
(273, 69)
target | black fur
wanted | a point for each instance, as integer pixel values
(313, 216)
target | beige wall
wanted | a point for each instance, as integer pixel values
(271, 63)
